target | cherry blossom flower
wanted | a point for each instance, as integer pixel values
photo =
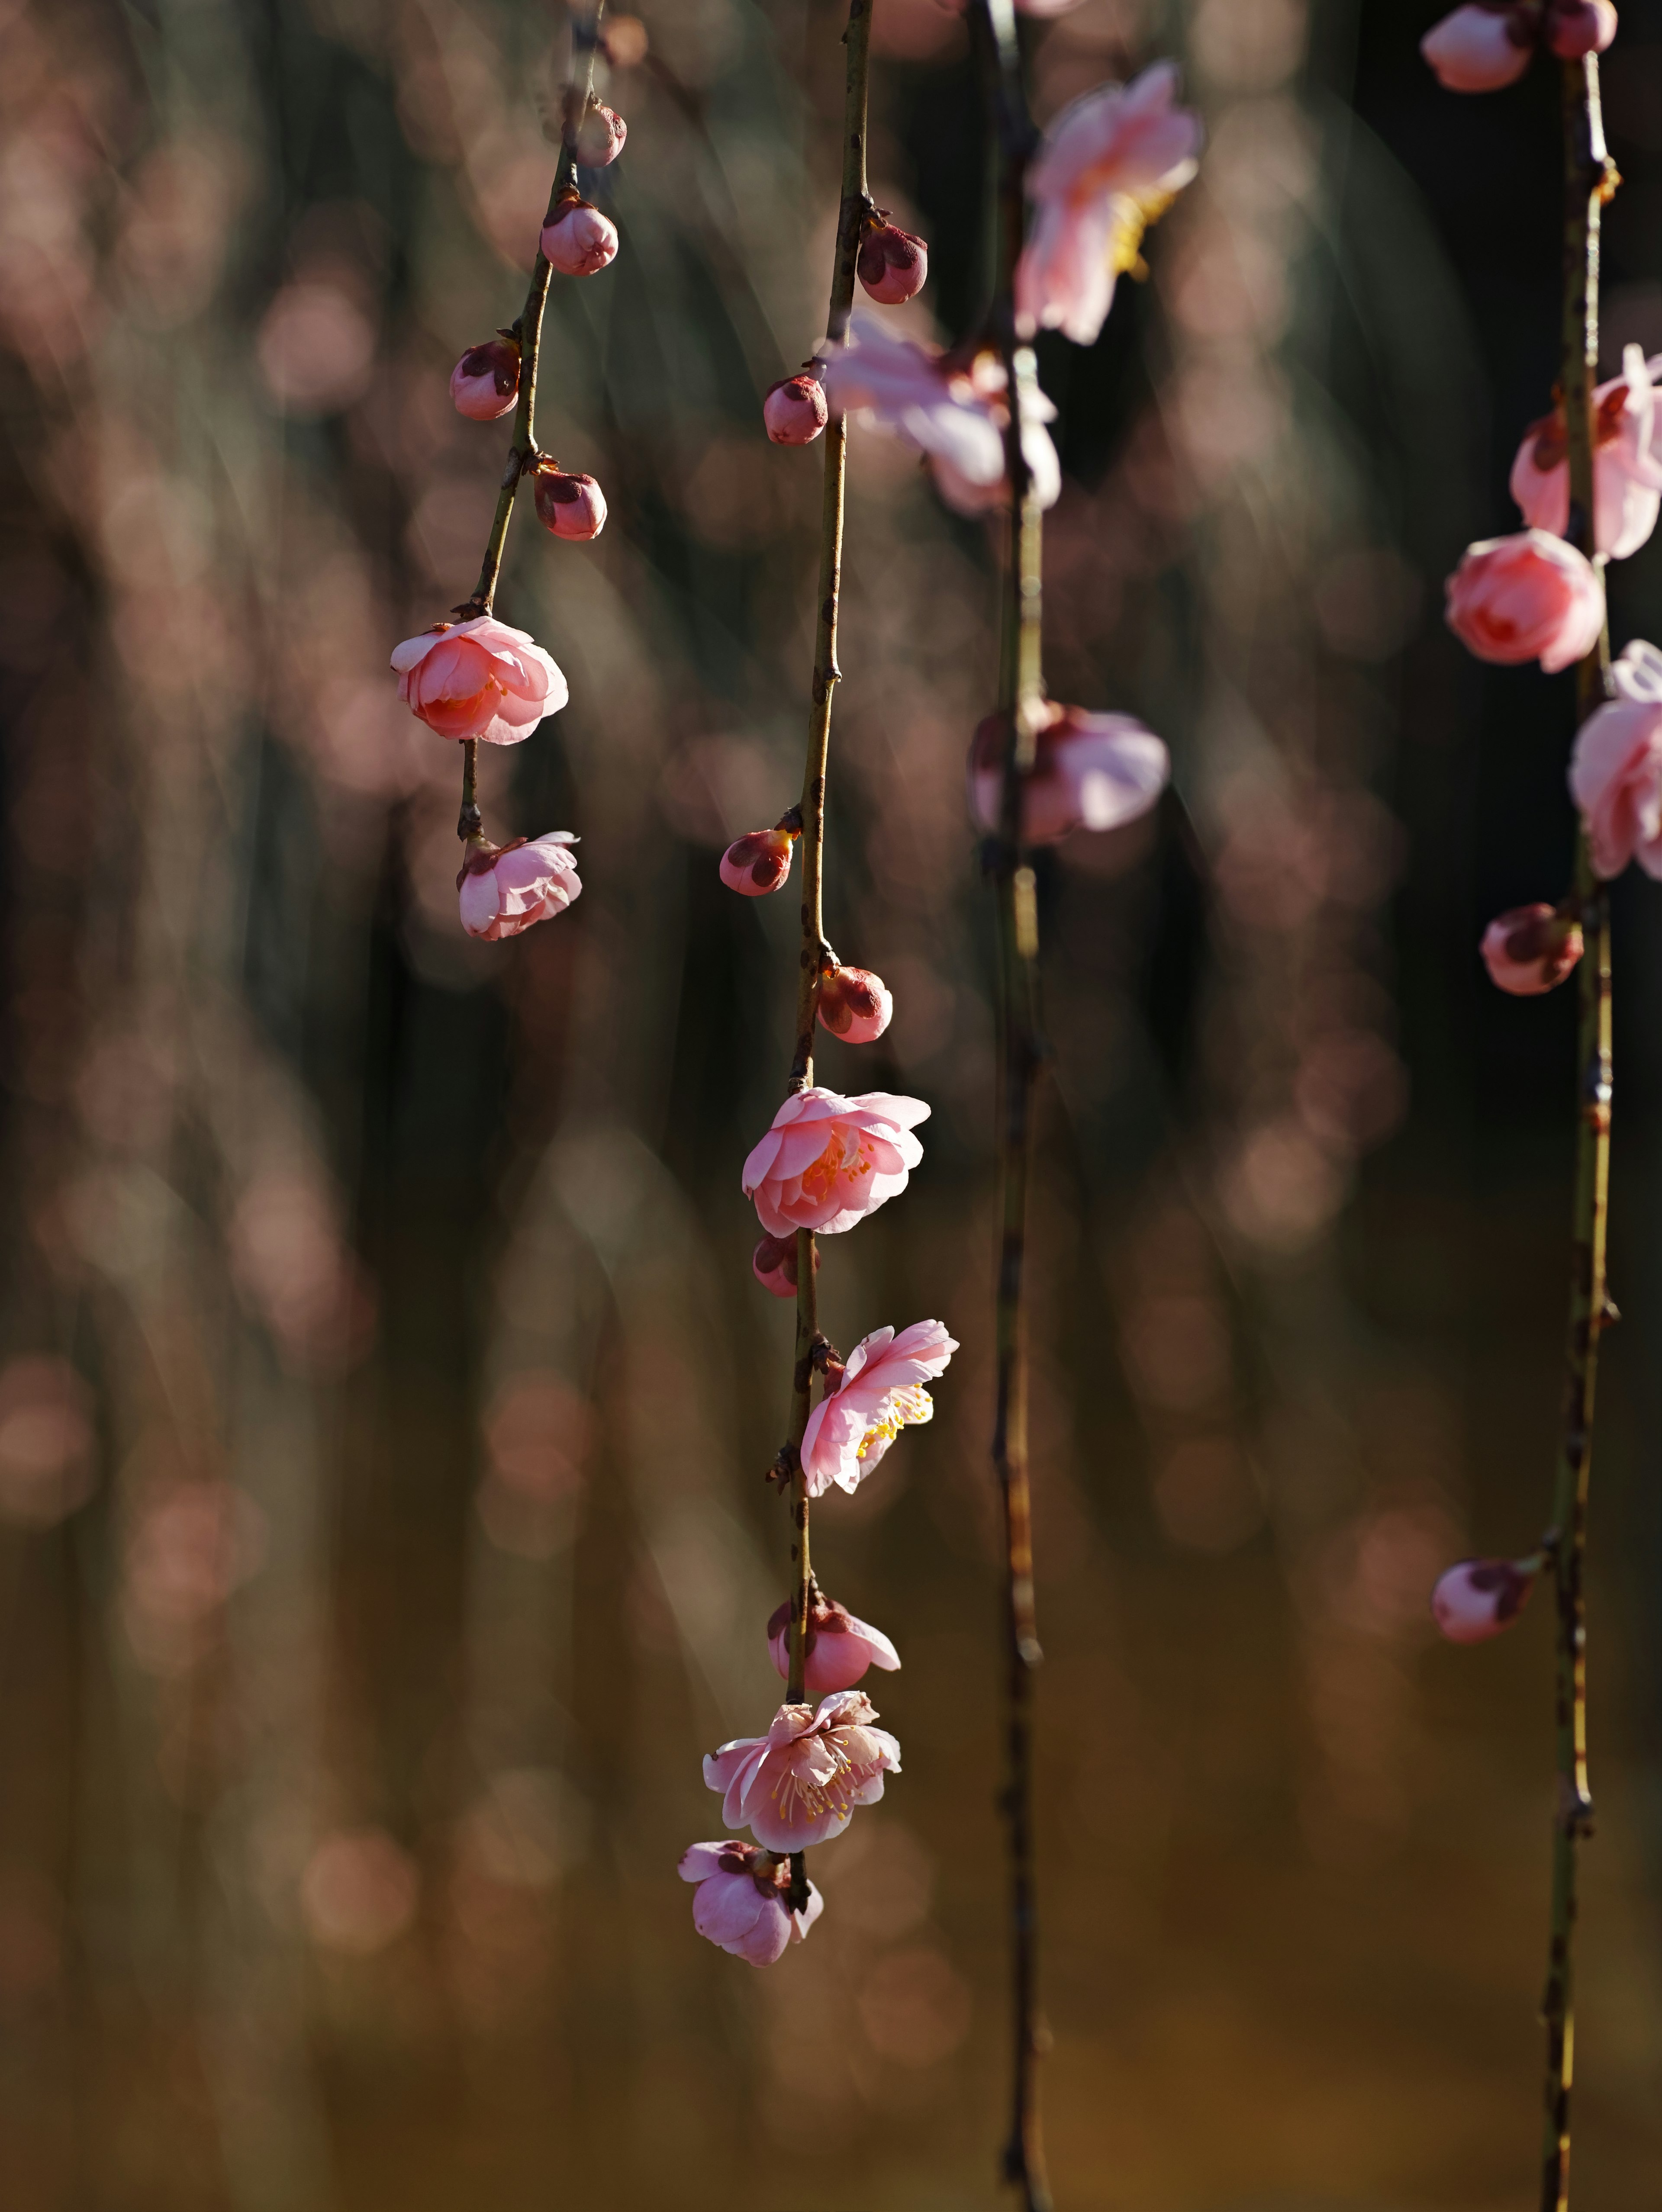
(1528, 597)
(478, 679)
(795, 412)
(486, 381)
(987, 377)
(570, 506)
(894, 385)
(829, 1161)
(881, 1392)
(773, 1263)
(758, 862)
(1480, 47)
(1626, 476)
(839, 1650)
(855, 1004)
(1531, 949)
(799, 1785)
(504, 889)
(1615, 767)
(739, 1903)
(1090, 772)
(1108, 166)
(577, 240)
(1478, 1598)
(893, 264)
(1572, 28)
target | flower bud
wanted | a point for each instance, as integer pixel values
(1575, 27)
(892, 264)
(1531, 949)
(571, 507)
(577, 240)
(773, 1263)
(600, 136)
(758, 862)
(854, 1005)
(486, 381)
(795, 410)
(1480, 48)
(840, 1649)
(1478, 1598)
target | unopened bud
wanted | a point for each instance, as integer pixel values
(855, 1004)
(795, 410)
(486, 381)
(892, 264)
(1575, 27)
(577, 240)
(773, 1263)
(838, 1649)
(571, 507)
(1478, 1598)
(757, 862)
(600, 136)
(1531, 949)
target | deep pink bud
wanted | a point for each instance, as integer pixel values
(839, 1648)
(855, 1004)
(758, 862)
(1478, 1598)
(892, 264)
(486, 381)
(577, 240)
(571, 507)
(1531, 949)
(795, 410)
(773, 1263)
(600, 136)
(1575, 27)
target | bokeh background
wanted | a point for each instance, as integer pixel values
(384, 1397)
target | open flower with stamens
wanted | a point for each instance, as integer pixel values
(881, 1392)
(739, 1903)
(1108, 166)
(478, 679)
(799, 1785)
(828, 1161)
(839, 1648)
(1626, 476)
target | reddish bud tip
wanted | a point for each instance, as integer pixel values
(600, 136)
(571, 507)
(795, 410)
(893, 264)
(486, 381)
(1575, 27)
(855, 1004)
(1531, 949)
(577, 240)
(773, 1263)
(757, 862)
(1476, 1599)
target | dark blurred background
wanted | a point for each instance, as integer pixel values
(385, 1397)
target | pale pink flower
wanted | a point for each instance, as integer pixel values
(1107, 166)
(486, 381)
(577, 240)
(1626, 476)
(799, 1785)
(1478, 1598)
(739, 1903)
(965, 495)
(1531, 949)
(478, 679)
(1480, 47)
(1528, 597)
(829, 1161)
(855, 1004)
(893, 265)
(881, 1392)
(758, 862)
(839, 1648)
(773, 1263)
(795, 410)
(893, 384)
(570, 506)
(506, 887)
(1090, 772)
(1574, 27)
(1615, 767)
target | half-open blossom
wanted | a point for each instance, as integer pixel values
(1528, 597)
(839, 1648)
(987, 379)
(478, 679)
(892, 264)
(1090, 772)
(912, 391)
(739, 1903)
(758, 862)
(881, 1393)
(1626, 476)
(1531, 949)
(506, 887)
(486, 381)
(794, 413)
(577, 240)
(600, 136)
(1480, 47)
(773, 1263)
(1615, 767)
(1478, 1598)
(799, 1785)
(855, 1004)
(829, 1161)
(1107, 166)
(570, 506)
(1572, 28)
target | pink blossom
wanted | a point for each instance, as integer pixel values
(570, 506)
(799, 1785)
(478, 679)
(1615, 767)
(758, 862)
(839, 1648)
(829, 1161)
(577, 240)
(739, 1903)
(773, 1263)
(881, 1392)
(1480, 47)
(600, 136)
(912, 391)
(1090, 772)
(893, 264)
(1108, 166)
(855, 1004)
(1574, 27)
(1531, 949)
(795, 410)
(486, 381)
(1626, 476)
(1529, 596)
(1478, 1598)
(506, 887)
(987, 379)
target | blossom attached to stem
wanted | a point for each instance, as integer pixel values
(879, 1392)
(840, 1649)
(740, 1902)
(800, 1783)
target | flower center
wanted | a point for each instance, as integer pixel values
(816, 1795)
(902, 1408)
(1133, 213)
(843, 1159)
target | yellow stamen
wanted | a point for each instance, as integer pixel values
(902, 1408)
(1133, 213)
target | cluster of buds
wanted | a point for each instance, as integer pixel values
(1488, 43)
